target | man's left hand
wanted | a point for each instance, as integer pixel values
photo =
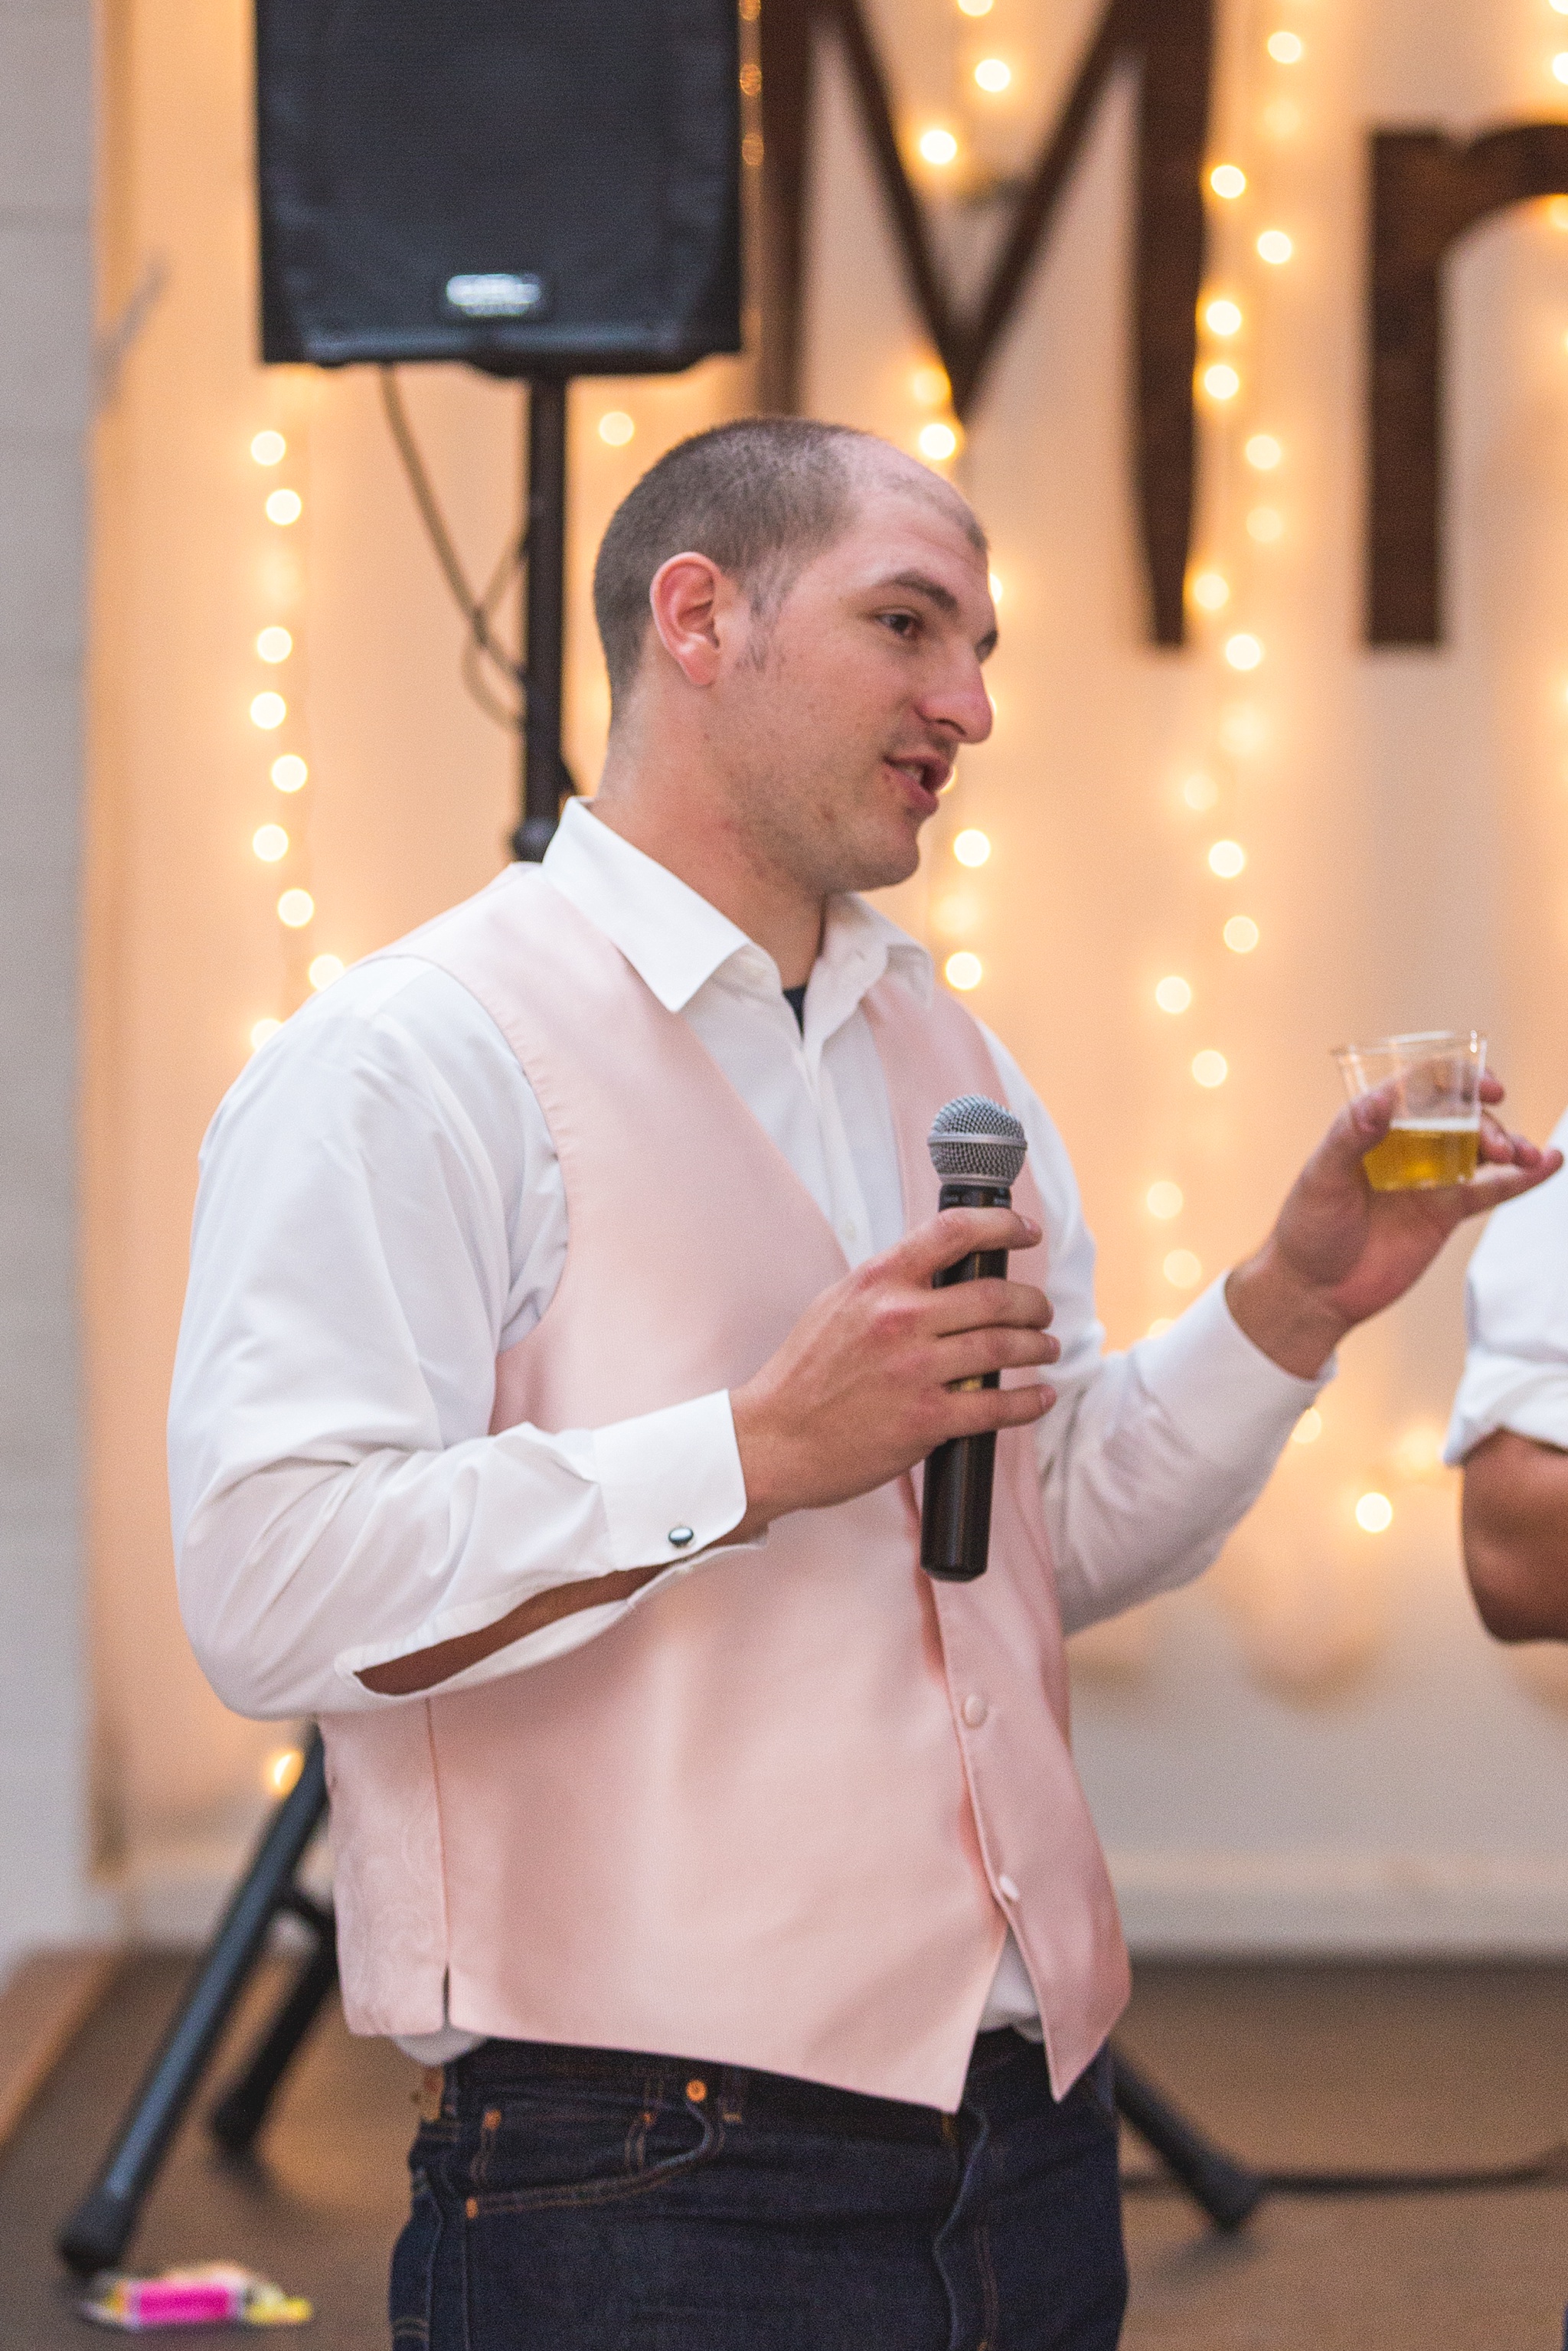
(1340, 1252)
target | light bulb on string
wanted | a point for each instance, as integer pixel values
(1210, 1069)
(269, 843)
(1164, 1201)
(1182, 1270)
(295, 908)
(937, 147)
(1285, 48)
(1264, 525)
(1240, 934)
(616, 428)
(1263, 453)
(1227, 859)
(1210, 590)
(289, 773)
(964, 970)
(993, 75)
(1373, 1512)
(1221, 380)
(262, 1029)
(1223, 317)
(1275, 246)
(1199, 792)
(929, 384)
(971, 847)
(1173, 994)
(268, 711)
(268, 448)
(274, 644)
(1227, 180)
(284, 507)
(1243, 651)
(936, 443)
(325, 969)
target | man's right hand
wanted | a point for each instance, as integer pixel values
(863, 1386)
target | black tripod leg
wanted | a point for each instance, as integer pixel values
(1224, 2188)
(242, 2109)
(97, 2232)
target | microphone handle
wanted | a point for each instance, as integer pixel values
(956, 1508)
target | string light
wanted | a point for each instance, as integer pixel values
(616, 428)
(937, 441)
(270, 448)
(1160, 1325)
(1211, 590)
(1264, 525)
(971, 847)
(289, 772)
(1263, 453)
(1227, 180)
(1210, 1069)
(1182, 1270)
(1285, 48)
(1240, 934)
(929, 385)
(268, 711)
(1275, 246)
(284, 507)
(1374, 1513)
(1560, 65)
(260, 1031)
(1173, 995)
(964, 970)
(269, 843)
(1281, 116)
(1309, 1429)
(976, 7)
(1164, 1201)
(325, 969)
(1221, 380)
(1243, 651)
(274, 644)
(295, 908)
(1200, 792)
(1228, 859)
(1223, 317)
(938, 147)
(993, 75)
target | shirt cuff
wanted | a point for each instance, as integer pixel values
(671, 1482)
(1226, 1397)
(1531, 1399)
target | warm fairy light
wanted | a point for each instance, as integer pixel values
(1281, 116)
(1309, 1429)
(1211, 590)
(260, 1031)
(1263, 453)
(289, 773)
(964, 970)
(268, 448)
(285, 506)
(280, 1771)
(993, 73)
(1227, 180)
(1275, 246)
(275, 644)
(1285, 48)
(976, 7)
(938, 147)
(1228, 859)
(1560, 65)
(1182, 1270)
(1418, 1449)
(1200, 792)
(930, 386)
(1264, 525)
(937, 441)
(1173, 995)
(994, 582)
(269, 842)
(1373, 1513)
(1210, 1069)
(1223, 317)
(1164, 1201)
(1243, 652)
(1240, 934)
(1221, 380)
(1561, 6)
(751, 81)
(616, 427)
(751, 150)
(972, 846)
(295, 908)
(268, 711)
(1159, 1326)
(325, 969)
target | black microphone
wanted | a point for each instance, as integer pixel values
(978, 1148)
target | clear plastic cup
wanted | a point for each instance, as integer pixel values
(1436, 1135)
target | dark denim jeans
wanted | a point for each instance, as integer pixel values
(580, 2199)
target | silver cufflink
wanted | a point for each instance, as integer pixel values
(680, 1537)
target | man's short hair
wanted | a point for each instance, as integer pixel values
(760, 498)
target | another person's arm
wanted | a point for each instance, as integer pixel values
(1510, 1425)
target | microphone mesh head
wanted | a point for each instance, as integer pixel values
(974, 1138)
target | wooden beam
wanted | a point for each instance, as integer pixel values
(787, 32)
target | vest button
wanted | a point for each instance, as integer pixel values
(680, 1537)
(975, 1711)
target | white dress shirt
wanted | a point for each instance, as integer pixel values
(1516, 1318)
(381, 1214)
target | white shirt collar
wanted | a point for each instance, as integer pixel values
(676, 941)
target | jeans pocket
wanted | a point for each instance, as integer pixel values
(412, 2292)
(555, 2146)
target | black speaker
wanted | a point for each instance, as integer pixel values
(540, 187)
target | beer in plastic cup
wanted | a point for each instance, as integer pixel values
(1434, 1138)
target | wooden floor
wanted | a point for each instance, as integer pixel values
(1319, 2066)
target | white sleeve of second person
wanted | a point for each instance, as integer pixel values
(380, 1214)
(1516, 1319)
(1149, 1459)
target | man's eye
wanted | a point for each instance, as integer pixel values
(902, 624)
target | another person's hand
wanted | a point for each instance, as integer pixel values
(1340, 1252)
(863, 1386)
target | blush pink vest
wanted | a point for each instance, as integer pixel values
(780, 1813)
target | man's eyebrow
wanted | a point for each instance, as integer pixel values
(919, 585)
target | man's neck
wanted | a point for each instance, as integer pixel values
(712, 859)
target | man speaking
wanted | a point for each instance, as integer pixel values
(560, 1342)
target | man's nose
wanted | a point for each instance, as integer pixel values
(961, 706)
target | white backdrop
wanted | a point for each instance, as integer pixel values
(1319, 1747)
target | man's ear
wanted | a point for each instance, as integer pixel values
(691, 601)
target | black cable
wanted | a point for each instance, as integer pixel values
(477, 612)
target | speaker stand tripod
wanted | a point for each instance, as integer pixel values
(546, 781)
(99, 2228)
